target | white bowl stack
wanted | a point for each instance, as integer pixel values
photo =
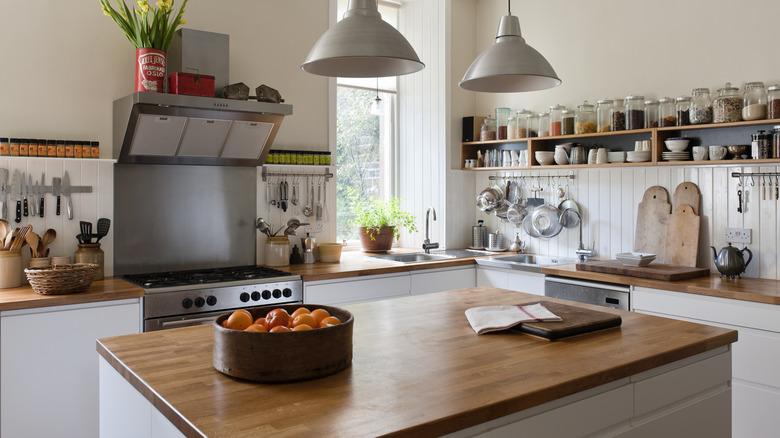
(635, 258)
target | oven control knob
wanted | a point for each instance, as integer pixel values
(287, 292)
(266, 294)
(186, 303)
(255, 296)
(277, 293)
(199, 302)
(211, 300)
(244, 297)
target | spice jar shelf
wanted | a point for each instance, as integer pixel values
(704, 135)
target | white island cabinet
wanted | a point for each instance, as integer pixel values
(512, 279)
(756, 381)
(49, 367)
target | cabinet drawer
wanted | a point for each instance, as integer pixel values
(439, 280)
(354, 291)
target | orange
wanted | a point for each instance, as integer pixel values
(276, 317)
(301, 327)
(256, 328)
(280, 328)
(239, 320)
(224, 323)
(261, 321)
(319, 315)
(298, 311)
(331, 320)
(306, 319)
(248, 313)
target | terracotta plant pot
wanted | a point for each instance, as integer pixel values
(382, 239)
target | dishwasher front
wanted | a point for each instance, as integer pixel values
(616, 296)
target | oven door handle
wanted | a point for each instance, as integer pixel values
(187, 322)
(597, 285)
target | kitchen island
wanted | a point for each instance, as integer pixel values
(420, 370)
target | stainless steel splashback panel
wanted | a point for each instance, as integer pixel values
(183, 217)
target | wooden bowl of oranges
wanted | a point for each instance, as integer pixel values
(284, 343)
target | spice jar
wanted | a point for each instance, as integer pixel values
(568, 122)
(532, 122)
(683, 106)
(277, 251)
(90, 253)
(521, 119)
(773, 102)
(618, 116)
(544, 125)
(667, 112)
(556, 119)
(701, 106)
(502, 118)
(585, 120)
(10, 269)
(604, 115)
(727, 107)
(651, 113)
(635, 112)
(754, 101)
(487, 131)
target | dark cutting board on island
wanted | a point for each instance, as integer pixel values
(575, 321)
(654, 271)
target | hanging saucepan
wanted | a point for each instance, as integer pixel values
(569, 220)
(544, 220)
(517, 212)
(490, 198)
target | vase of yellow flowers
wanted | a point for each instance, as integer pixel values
(150, 30)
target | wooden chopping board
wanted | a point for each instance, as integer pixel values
(652, 216)
(682, 237)
(654, 271)
(575, 321)
(686, 193)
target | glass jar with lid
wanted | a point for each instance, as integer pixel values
(651, 113)
(618, 116)
(667, 112)
(604, 115)
(773, 103)
(487, 131)
(511, 127)
(568, 122)
(502, 118)
(556, 119)
(521, 118)
(727, 106)
(635, 112)
(701, 106)
(683, 108)
(754, 101)
(585, 119)
(532, 122)
(544, 125)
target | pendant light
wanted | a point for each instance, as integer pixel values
(362, 45)
(509, 65)
(377, 106)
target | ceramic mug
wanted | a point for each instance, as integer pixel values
(601, 156)
(717, 152)
(699, 153)
(592, 156)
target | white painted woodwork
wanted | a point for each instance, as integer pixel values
(48, 366)
(439, 280)
(356, 290)
(520, 281)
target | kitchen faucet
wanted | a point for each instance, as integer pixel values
(427, 245)
(582, 253)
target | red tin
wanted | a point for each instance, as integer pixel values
(150, 70)
(192, 84)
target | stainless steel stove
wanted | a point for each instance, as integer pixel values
(186, 298)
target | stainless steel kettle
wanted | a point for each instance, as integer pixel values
(730, 261)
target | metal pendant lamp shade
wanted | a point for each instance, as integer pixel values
(362, 45)
(509, 65)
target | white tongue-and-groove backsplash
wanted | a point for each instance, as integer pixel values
(608, 200)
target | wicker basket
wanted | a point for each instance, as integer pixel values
(61, 279)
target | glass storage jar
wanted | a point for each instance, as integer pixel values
(683, 107)
(667, 112)
(522, 123)
(651, 113)
(775, 141)
(90, 253)
(604, 115)
(511, 127)
(567, 127)
(532, 122)
(487, 131)
(502, 118)
(701, 106)
(544, 125)
(556, 119)
(635, 112)
(754, 101)
(585, 120)
(773, 103)
(727, 107)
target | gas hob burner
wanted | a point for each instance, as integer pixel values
(205, 276)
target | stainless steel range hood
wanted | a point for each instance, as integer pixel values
(159, 128)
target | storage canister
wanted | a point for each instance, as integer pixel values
(567, 127)
(90, 253)
(556, 119)
(604, 115)
(10, 269)
(521, 118)
(635, 112)
(277, 251)
(667, 112)
(760, 145)
(544, 125)
(585, 120)
(727, 106)
(776, 142)
(683, 106)
(651, 113)
(502, 118)
(511, 128)
(618, 115)
(754, 101)
(487, 131)
(701, 106)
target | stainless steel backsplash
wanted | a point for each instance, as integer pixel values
(183, 217)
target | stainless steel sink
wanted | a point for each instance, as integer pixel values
(445, 254)
(524, 262)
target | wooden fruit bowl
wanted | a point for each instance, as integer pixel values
(285, 356)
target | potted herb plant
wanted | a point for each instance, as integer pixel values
(379, 223)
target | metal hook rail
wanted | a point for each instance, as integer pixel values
(524, 177)
(325, 173)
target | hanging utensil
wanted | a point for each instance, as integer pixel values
(283, 195)
(307, 210)
(263, 226)
(319, 201)
(739, 195)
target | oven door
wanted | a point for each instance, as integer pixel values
(170, 322)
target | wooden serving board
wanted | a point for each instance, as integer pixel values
(575, 321)
(651, 218)
(682, 237)
(655, 271)
(686, 193)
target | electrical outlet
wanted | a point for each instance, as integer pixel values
(738, 235)
(315, 227)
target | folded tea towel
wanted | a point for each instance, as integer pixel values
(493, 318)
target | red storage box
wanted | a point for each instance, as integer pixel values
(193, 84)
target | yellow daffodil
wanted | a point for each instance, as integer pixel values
(145, 30)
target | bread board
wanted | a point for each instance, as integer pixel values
(575, 321)
(653, 271)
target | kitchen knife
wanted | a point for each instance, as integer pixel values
(31, 193)
(56, 188)
(43, 195)
(25, 211)
(16, 192)
(3, 193)
(66, 192)
(35, 191)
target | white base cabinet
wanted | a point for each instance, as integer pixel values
(756, 355)
(49, 368)
(512, 279)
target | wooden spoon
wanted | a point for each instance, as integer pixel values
(32, 239)
(47, 238)
(9, 238)
(5, 228)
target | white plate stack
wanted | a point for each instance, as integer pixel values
(638, 156)
(635, 258)
(676, 156)
(616, 157)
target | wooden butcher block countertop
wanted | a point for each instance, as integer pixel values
(418, 370)
(108, 289)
